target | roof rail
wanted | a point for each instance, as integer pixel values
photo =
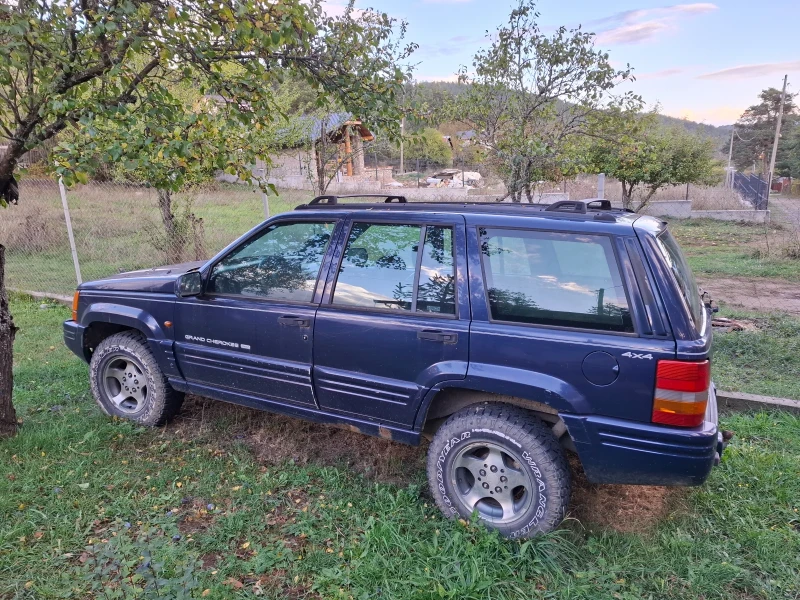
(579, 206)
(330, 199)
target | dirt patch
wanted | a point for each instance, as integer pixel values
(623, 508)
(196, 518)
(275, 439)
(761, 294)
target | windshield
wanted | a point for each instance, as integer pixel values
(683, 276)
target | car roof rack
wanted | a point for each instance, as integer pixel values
(334, 199)
(579, 206)
(601, 208)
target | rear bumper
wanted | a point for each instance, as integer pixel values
(73, 338)
(617, 451)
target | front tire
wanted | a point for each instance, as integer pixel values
(127, 383)
(503, 463)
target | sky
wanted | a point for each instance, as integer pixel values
(705, 61)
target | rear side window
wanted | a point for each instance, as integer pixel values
(557, 279)
(382, 268)
(683, 276)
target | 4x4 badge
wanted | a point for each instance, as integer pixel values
(634, 355)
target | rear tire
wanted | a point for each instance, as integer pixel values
(127, 383)
(503, 462)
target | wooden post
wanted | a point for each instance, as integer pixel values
(348, 151)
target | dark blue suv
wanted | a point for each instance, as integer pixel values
(504, 333)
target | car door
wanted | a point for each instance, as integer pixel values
(251, 331)
(393, 321)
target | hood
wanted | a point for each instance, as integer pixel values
(157, 279)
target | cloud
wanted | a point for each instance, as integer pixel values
(643, 24)
(451, 46)
(658, 74)
(749, 71)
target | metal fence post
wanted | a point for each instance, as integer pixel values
(601, 185)
(266, 204)
(417, 172)
(74, 250)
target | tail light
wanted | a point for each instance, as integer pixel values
(75, 299)
(681, 392)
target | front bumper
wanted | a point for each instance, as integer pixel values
(73, 338)
(618, 451)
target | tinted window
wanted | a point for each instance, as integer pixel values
(567, 280)
(683, 276)
(437, 290)
(282, 263)
(379, 268)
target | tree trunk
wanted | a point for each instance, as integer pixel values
(8, 416)
(626, 196)
(9, 192)
(174, 245)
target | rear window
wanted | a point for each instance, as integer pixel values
(558, 279)
(683, 277)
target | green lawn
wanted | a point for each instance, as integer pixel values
(92, 507)
(762, 361)
(724, 248)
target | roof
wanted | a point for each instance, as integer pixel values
(336, 121)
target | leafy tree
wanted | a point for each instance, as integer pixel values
(75, 63)
(790, 163)
(532, 95)
(646, 156)
(429, 145)
(755, 132)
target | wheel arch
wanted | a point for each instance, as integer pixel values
(449, 400)
(105, 319)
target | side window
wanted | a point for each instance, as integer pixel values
(437, 279)
(282, 263)
(560, 279)
(379, 268)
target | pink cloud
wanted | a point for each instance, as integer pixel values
(644, 24)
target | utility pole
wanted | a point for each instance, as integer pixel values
(729, 173)
(777, 137)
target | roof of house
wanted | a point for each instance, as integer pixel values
(334, 123)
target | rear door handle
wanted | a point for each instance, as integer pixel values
(436, 335)
(293, 321)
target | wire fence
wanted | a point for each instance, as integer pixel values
(120, 228)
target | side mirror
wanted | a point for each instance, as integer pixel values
(189, 284)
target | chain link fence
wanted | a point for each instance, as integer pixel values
(121, 228)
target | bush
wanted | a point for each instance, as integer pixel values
(429, 145)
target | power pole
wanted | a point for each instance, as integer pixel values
(777, 137)
(729, 174)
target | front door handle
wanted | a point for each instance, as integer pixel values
(437, 335)
(294, 321)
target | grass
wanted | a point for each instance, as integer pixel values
(112, 227)
(763, 361)
(92, 507)
(729, 249)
